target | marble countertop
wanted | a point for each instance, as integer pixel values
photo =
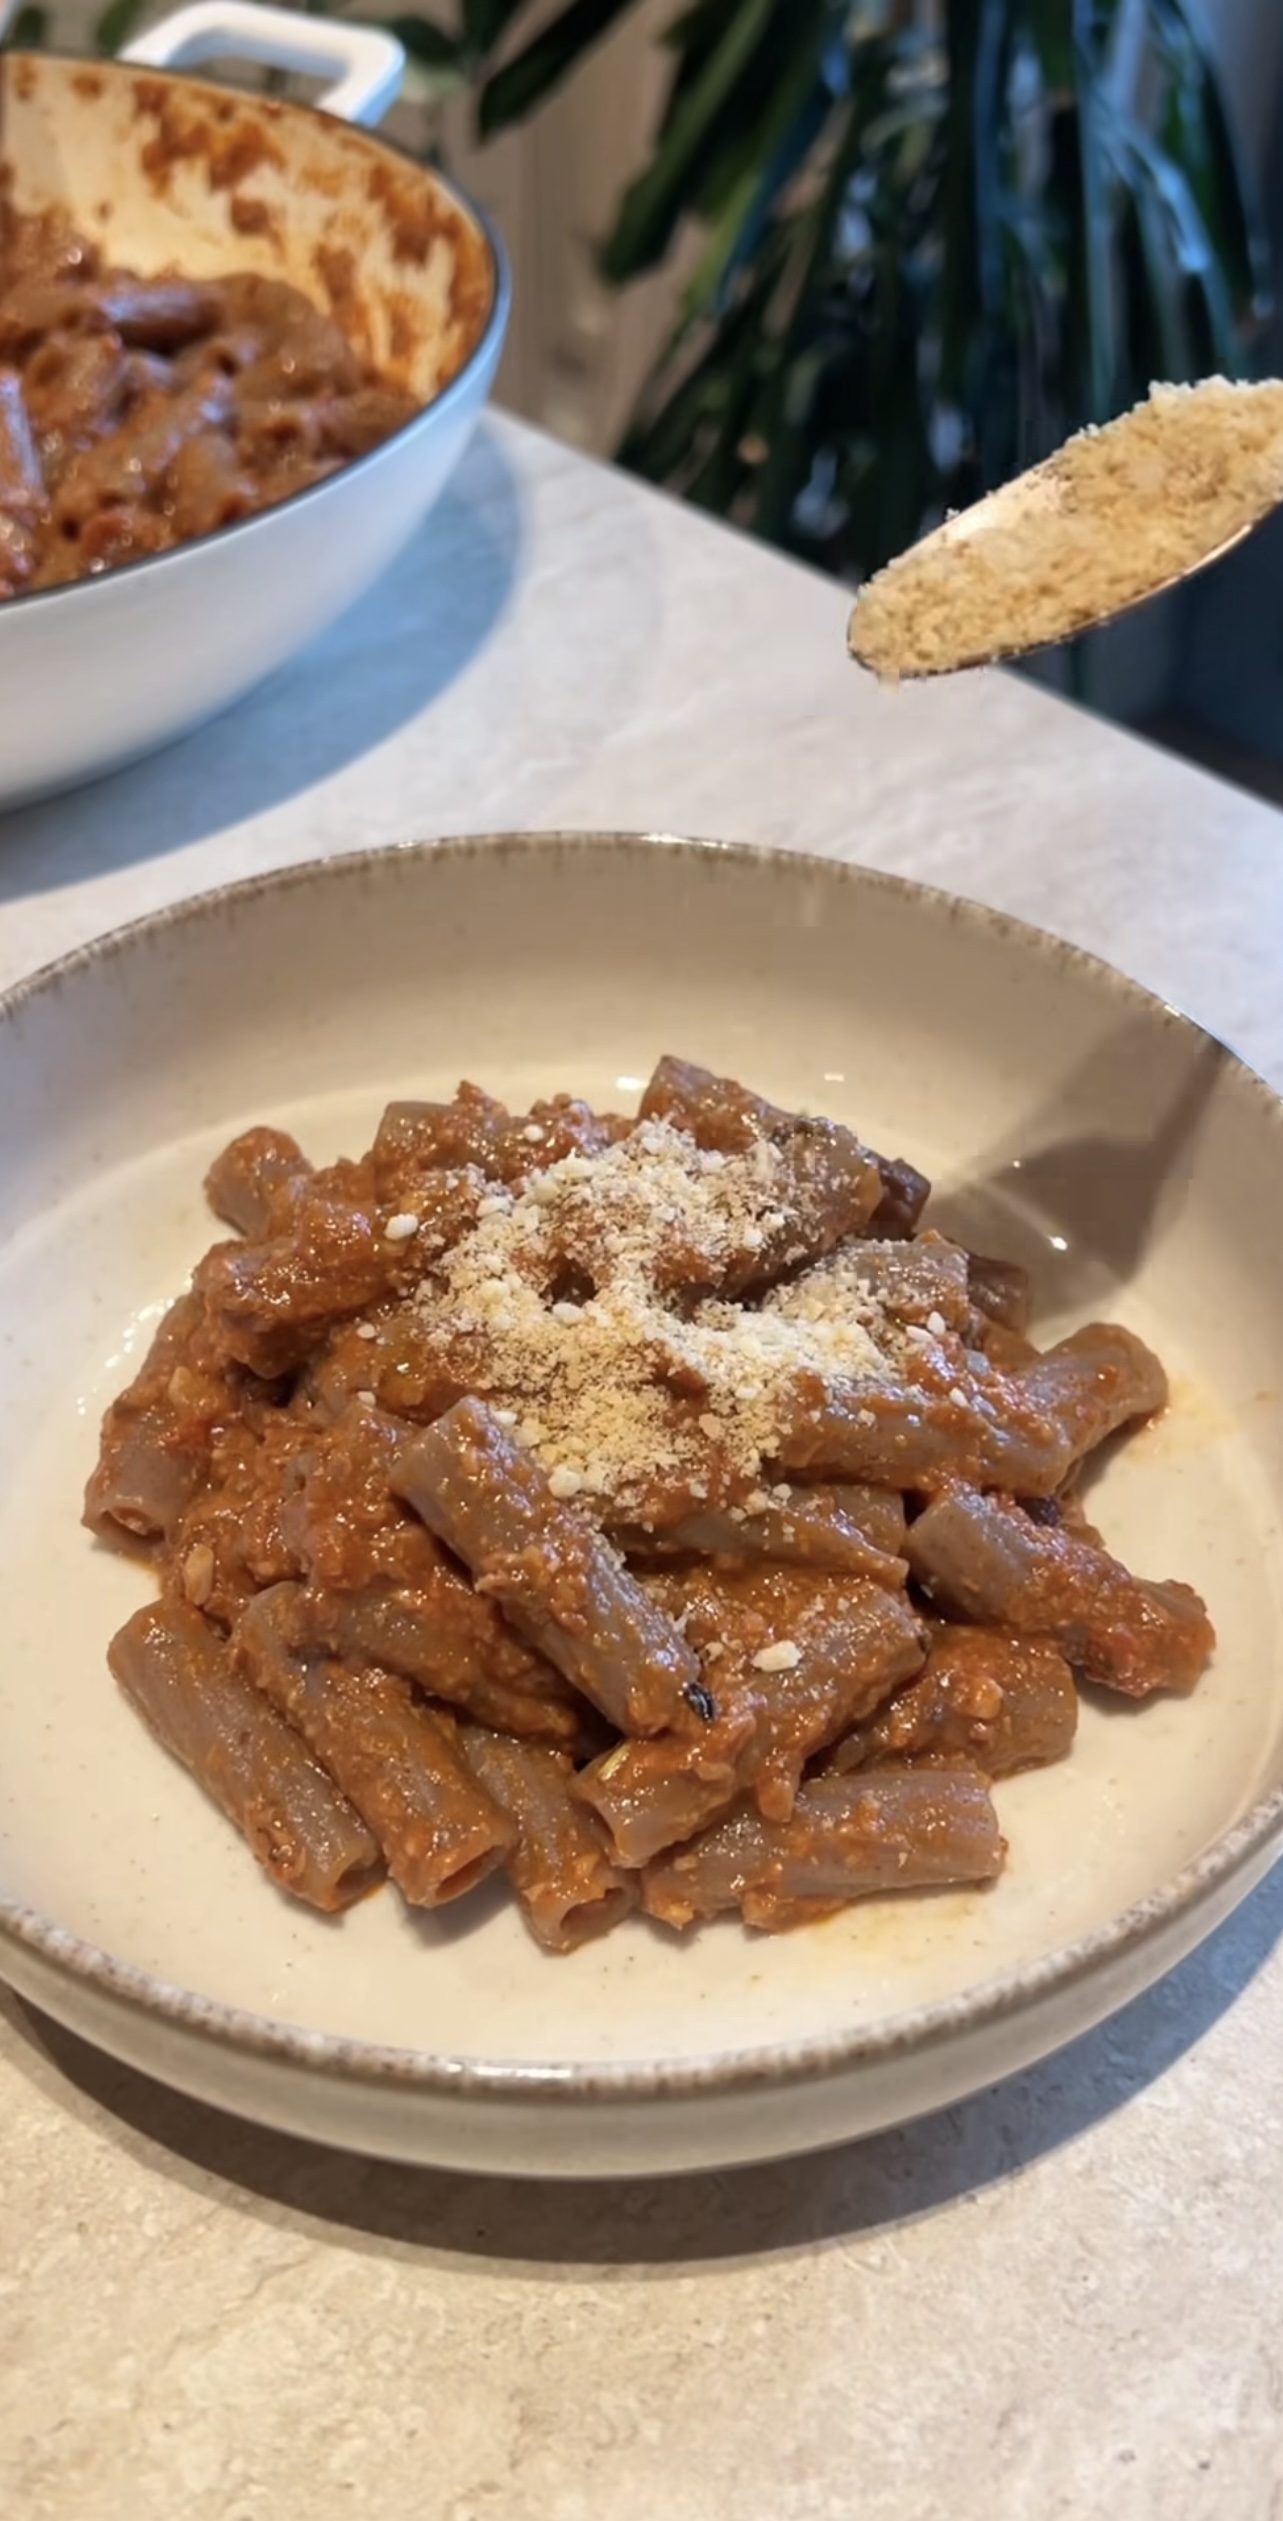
(1059, 2300)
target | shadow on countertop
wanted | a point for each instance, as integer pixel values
(383, 663)
(539, 2228)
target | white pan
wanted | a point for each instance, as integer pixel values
(171, 172)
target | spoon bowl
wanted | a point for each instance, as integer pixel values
(1115, 517)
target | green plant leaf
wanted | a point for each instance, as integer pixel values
(116, 24)
(1195, 129)
(758, 119)
(694, 39)
(1051, 34)
(27, 31)
(986, 376)
(1096, 243)
(486, 21)
(426, 43)
(653, 204)
(919, 290)
(814, 260)
(990, 136)
(1155, 337)
(697, 27)
(524, 82)
(1059, 282)
(687, 394)
(778, 149)
(958, 200)
(750, 149)
(1196, 271)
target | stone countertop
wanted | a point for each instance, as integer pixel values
(1058, 2300)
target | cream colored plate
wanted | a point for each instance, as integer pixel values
(1068, 1119)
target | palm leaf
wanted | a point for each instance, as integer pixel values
(780, 146)
(1095, 236)
(423, 41)
(523, 83)
(485, 22)
(676, 432)
(1157, 338)
(694, 37)
(1049, 27)
(1198, 275)
(653, 204)
(920, 269)
(1195, 130)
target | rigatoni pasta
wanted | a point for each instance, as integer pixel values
(138, 413)
(653, 1509)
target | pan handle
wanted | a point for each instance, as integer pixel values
(371, 64)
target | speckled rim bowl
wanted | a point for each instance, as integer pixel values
(1073, 1118)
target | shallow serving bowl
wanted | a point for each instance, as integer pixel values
(1067, 1118)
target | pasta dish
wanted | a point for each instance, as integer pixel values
(135, 414)
(655, 1510)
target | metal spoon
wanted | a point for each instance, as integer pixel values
(1118, 515)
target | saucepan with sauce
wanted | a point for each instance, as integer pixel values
(242, 346)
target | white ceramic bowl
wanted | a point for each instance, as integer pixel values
(1068, 1119)
(101, 671)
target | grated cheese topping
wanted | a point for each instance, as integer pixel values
(783, 1656)
(564, 1305)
